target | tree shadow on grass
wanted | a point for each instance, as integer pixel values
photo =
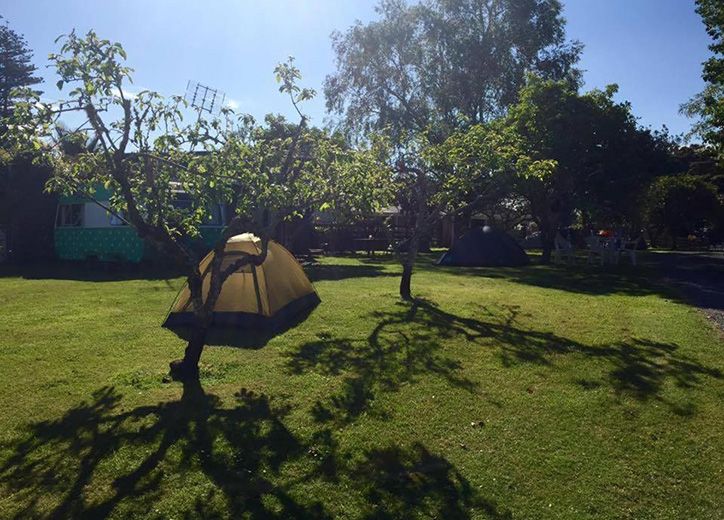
(698, 276)
(579, 278)
(392, 355)
(320, 272)
(90, 435)
(691, 278)
(583, 279)
(636, 367)
(119, 271)
(90, 271)
(408, 342)
(227, 462)
(398, 481)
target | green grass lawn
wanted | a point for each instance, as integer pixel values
(540, 392)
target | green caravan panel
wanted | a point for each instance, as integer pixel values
(119, 243)
(108, 244)
(101, 194)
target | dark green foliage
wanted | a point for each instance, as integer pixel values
(701, 161)
(679, 205)
(603, 157)
(16, 70)
(565, 154)
(709, 104)
(27, 214)
(712, 14)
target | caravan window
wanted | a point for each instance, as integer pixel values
(116, 220)
(70, 215)
(183, 202)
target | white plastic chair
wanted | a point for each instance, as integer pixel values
(563, 249)
(595, 247)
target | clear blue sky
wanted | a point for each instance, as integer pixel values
(652, 48)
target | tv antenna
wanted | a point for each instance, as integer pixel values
(203, 98)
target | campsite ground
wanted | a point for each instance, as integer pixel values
(537, 392)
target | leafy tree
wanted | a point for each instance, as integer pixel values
(425, 70)
(18, 177)
(602, 158)
(679, 205)
(443, 64)
(16, 69)
(564, 152)
(433, 185)
(709, 104)
(699, 160)
(502, 163)
(263, 175)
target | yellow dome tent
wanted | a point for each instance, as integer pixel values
(261, 296)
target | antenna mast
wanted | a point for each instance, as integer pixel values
(204, 99)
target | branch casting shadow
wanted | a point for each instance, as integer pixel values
(407, 343)
(392, 355)
(89, 435)
(242, 451)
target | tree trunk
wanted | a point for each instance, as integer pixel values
(188, 367)
(408, 265)
(548, 231)
(653, 238)
(547, 240)
(405, 283)
(546, 256)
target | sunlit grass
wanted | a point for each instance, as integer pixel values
(540, 392)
